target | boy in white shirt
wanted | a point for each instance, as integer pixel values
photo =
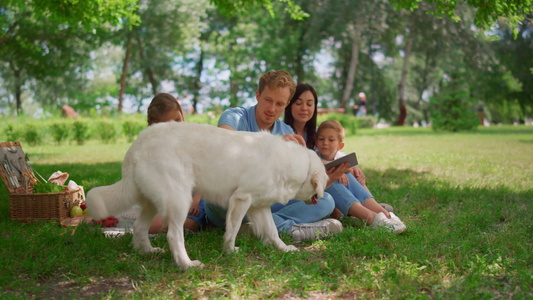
(350, 197)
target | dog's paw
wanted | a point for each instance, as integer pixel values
(194, 264)
(157, 250)
(234, 250)
(151, 250)
(198, 264)
(290, 248)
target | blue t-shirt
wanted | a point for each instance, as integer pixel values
(243, 119)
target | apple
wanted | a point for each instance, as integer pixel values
(83, 206)
(86, 212)
(76, 211)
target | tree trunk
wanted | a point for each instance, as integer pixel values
(124, 72)
(18, 89)
(197, 83)
(403, 108)
(148, 70)
(372, 79)
(353, 67)
(423, 84)
(233, 89)
(299, 64)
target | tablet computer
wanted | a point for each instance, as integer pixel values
(350, 158)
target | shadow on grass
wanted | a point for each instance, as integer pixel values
(460, 229)
(411, 131)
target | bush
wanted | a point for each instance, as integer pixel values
(209, 118)
(80, 131)
(60, 130)
(366, 122)
(349, 122)
(131, 128)
(32, 134)
(451, 111)
(12, 133)
(106, 130)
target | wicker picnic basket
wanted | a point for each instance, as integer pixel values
(19, 179)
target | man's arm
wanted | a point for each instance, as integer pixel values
(226, 126)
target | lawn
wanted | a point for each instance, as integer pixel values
(466, 199)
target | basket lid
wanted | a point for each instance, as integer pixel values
(15, 168)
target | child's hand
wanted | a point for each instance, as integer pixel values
(358, 174)
(344, 180)
(335, 173)
(195, 209)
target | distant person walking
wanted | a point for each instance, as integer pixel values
(361, 106)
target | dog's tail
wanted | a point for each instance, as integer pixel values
(105, 201)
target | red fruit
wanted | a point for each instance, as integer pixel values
(83, 205)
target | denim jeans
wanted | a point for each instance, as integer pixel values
(200, 218)
(346, 196)
(285, 216)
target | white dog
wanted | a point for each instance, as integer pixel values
(244, 172)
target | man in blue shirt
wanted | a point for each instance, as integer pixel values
(296, 218)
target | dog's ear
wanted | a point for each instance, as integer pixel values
(319, 188)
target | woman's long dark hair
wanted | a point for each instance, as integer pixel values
(310, 126)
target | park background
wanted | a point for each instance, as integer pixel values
(417, 61)
(463, 190)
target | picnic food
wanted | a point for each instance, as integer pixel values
(108, 222)
(76, 211)
(47, 187)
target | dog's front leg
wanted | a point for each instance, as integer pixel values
(237, 208)
(264, 227)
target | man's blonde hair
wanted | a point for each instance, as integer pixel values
(277, 79)
(333, 124)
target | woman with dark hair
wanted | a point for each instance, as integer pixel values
(301, 113)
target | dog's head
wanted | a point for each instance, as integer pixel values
(314, 185)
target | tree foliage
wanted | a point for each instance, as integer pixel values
(487, 12)
(213, 55)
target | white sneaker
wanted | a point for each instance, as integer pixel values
(381, 221)
(396, 220)
(387, 207)
(316, 230)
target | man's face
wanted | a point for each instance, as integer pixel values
(270, 105)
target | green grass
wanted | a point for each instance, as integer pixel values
(465, 197)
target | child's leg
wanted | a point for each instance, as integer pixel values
(157, 225)
(357, 210)
(372, 205)
(361, 193)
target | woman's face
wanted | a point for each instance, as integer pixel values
(302, 110)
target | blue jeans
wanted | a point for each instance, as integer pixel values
(285, 216)
(346, 196)
(200, 218)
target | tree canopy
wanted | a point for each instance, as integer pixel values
(117, 54)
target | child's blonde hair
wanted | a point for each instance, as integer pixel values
(160, 105)
(277, 79)
(333, 124)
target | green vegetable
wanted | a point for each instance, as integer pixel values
(48, 187)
